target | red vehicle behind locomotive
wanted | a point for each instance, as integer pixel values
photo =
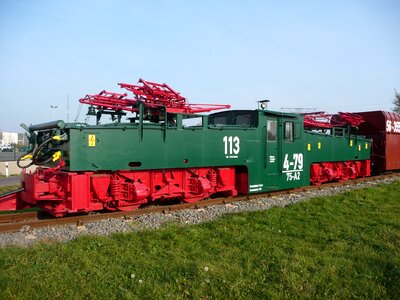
(384, 129)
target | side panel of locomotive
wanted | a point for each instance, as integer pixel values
(121, 147)
(337, 156)
(338, 145)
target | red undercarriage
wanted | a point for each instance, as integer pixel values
(339, 171)
(61, 192)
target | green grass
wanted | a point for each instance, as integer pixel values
(345, 246)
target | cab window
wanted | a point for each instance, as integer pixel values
(288, 133)
(245, 118)
(271, 130)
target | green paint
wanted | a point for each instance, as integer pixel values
(272, 146)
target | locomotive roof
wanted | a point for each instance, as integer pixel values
(268, 112)
(281, 114)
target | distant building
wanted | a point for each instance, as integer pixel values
(13, 138)
(22, 139)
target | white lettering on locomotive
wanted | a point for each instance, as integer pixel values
(293, 167)
(231, 146)
(255, 187)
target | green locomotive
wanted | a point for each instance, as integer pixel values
(167, 150)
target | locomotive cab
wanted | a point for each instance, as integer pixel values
(272, 151)
(284, 161)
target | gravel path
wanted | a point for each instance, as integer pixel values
(27, 236)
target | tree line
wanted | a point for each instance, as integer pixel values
(396, 102)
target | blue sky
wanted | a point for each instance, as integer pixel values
(329, 55)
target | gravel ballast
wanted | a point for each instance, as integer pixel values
(27, 236)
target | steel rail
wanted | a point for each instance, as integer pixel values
(18, 217)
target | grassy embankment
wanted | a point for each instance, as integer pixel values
(8, 188)
(347, 246)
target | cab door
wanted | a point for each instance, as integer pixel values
(292, 166)
(271, 157)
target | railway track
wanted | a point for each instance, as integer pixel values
(14, 222)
